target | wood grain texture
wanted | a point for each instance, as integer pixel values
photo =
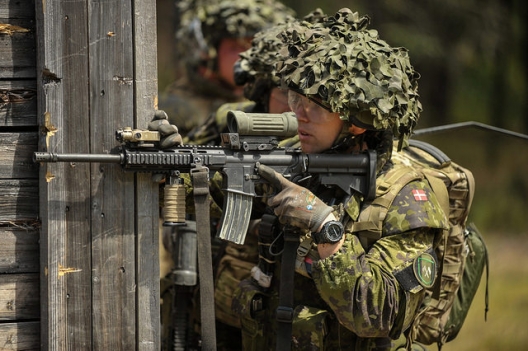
(19, 250)
(20, 336)
(99, 236)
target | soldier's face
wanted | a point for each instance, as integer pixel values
(317, 128)
(228, 51)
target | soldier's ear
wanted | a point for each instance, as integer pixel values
(355, 130)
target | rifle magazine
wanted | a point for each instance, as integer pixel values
(236, 216)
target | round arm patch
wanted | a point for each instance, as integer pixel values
(424, 267)
(421, 273)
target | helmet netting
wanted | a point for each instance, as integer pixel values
(338, 60)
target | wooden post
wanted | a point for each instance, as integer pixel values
(96, 73)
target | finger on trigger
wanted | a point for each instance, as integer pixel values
(270, 175)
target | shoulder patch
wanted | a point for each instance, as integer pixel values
(424, 267)
(415, 206)
(419, 195)
(420, 274)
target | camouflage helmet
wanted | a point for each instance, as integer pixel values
(347, 68)
(255, 69)
(204, 23)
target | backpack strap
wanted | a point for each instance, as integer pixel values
(440, 190)
(470, 193)
(453, 177)
(442, 159)
(200, 178)
(369, 225)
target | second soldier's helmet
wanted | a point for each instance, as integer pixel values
(255, 70)
(204, 23)
(340, 63)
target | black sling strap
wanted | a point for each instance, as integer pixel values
(285, 309)
(200, 179)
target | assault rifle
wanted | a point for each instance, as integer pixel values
(253, 140)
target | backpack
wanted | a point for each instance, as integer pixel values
(462, 253)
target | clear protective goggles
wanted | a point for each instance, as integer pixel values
(301, 104)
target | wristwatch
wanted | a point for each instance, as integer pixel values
(331, 233)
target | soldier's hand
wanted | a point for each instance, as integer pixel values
(294, 204)
(168, 132)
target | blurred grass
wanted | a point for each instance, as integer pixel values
(507, 320)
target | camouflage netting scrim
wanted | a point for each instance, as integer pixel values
(204, 23)
(340, 61)
(255, 69)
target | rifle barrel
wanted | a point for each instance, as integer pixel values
(101, 158)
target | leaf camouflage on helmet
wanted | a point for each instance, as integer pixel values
(255, 70)
(348, 69)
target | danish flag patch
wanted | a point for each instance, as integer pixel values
(419, 195)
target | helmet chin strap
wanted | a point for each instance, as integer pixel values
(346, 140)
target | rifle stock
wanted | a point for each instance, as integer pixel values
(238, 161)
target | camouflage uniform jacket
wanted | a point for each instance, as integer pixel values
(361, 297)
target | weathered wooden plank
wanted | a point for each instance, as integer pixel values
(147, 216)
(18, 103)
(19, 250)
(16, 155)
(95, 207)
(19, 297)
(113, 243)
(17, 49)
(17, 9)
(63, 105)
(21, 336)
(67, 248)
(19, 200)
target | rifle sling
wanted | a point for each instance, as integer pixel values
(200, 179)
(285, 309)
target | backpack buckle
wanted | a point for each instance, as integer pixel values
(284, 314)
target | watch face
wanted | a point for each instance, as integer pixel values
(335, 232)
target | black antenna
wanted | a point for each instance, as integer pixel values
(461, 125)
